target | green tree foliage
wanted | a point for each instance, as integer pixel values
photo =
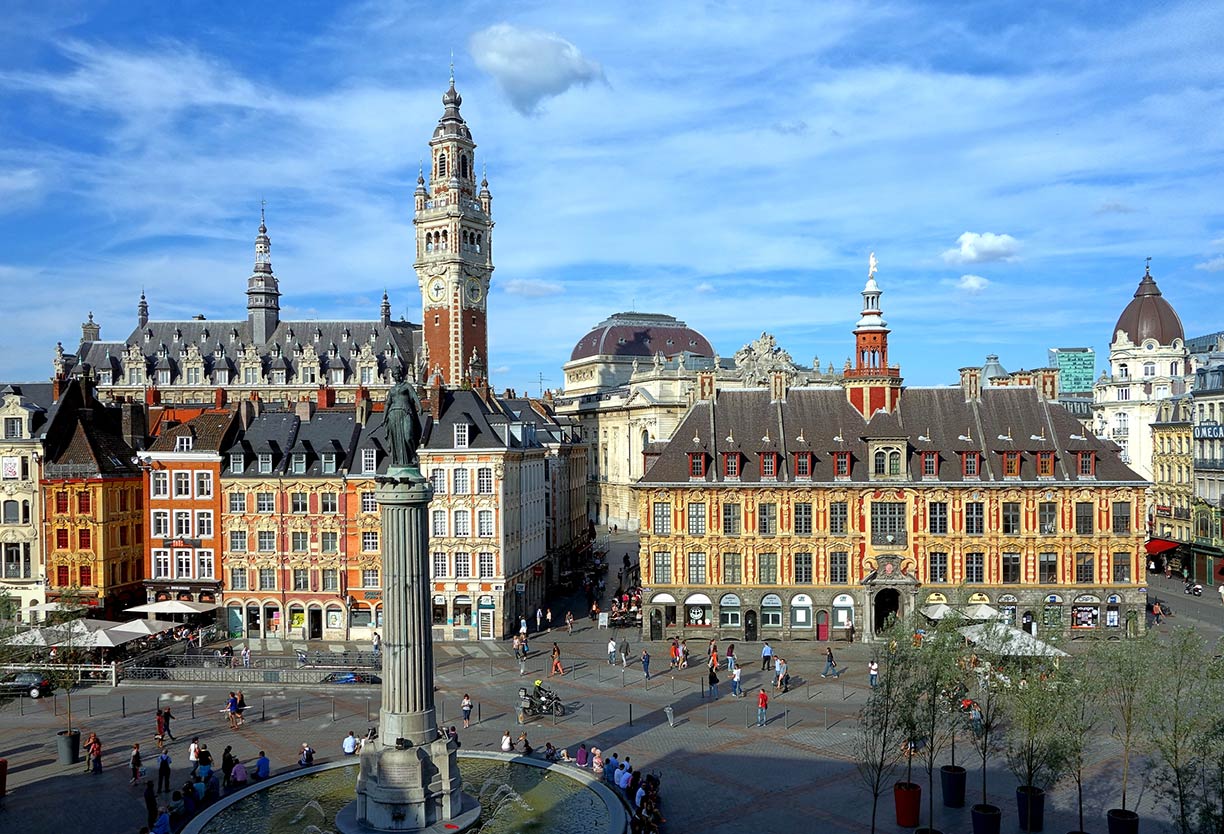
(881, 725)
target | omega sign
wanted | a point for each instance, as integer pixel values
(1209, 432)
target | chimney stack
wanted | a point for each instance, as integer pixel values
(971, 383)
(304, 410)
(219, 397)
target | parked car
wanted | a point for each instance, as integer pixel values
(34, 684)
(364, 678)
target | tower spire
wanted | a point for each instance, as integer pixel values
(142, 310)
(263, 290)
(871, 384)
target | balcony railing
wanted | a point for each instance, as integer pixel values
(1216, 464)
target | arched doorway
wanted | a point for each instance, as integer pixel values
(887, 604)
(656, 624)
(822, 625)
(750, 625)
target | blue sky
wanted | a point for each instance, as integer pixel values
(732, 164)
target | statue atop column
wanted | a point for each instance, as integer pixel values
(402, 418)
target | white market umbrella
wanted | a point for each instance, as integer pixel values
(100, 639)
(33, 637)
(1004, 639)
(981, 611)
(143, 628)
(937, 611)
(175, 606)
(47, 607)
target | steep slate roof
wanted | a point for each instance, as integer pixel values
(209, 432)
(39, 399)
(927, 419)
(283, 434)
(85, 438)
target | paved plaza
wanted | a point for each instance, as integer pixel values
(720, 773)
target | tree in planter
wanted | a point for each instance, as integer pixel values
(1036, 753)
(1174, 717)
(1124, 666)
(1078, 717)
(987, 695)
(1208, 746)
(936, 678)
(880, 719)
(70, 650)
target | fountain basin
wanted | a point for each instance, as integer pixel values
(558, 799)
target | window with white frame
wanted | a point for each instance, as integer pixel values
(299, 541)
(298, 503)
(238, 579)
(161, 524)
(369, 461)
(182, 484)
(438, 528)
(487, 565)
(159, 484)
(329, 463)
(369, 578)
(265, 502)
(484, 523)
(238, 502)
(440, 564)
(331, 579)
(237, 461)
(463, 523)
(329, 541)
(161, 564)
(462, 482)
(463, 565)
(182, 564)
(267, 541)
(238, 541)
(203, 484)
(301, 579)
(461, 435)
(183, 443)
(204, 524)
(182, 524)
(204, 564)
(484, 481)
(368, 503)
(437, 480)
(298, 463)
(265, 463)
(267, 579)
(369, 541)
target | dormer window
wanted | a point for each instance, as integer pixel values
(461, 436)
(337, 376)
(329, 463)
(14, 428)
(803, 464)
(969, 464)
(183, 443)
(104, 377)
(163, 377)
(1011, 464)
(1045, 464)
(1123, 372)
(299, 463)
(886, 462)
(769, 464)
(1086, 465)
(237, 462)
(841, 464)
(265, 463)
(731, 461)
(930, 464)
(369, 461)
(697, 464)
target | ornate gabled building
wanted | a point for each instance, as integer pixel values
(25, 411)
(628, 383)
(1148, 362)
(1172, 480)
(795, 511)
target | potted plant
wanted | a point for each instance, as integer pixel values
(936, 677)
(1078, 718)
(1124, 667)
(1036, 754)
(879, 741)
(985, 716)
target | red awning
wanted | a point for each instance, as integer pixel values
(1157, 546)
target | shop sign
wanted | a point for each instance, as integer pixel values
(1054, 599)
(181, 542)
(538, 570)
(372, 595)
(1209, 432)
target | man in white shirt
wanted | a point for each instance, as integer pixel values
(193, 754)
(612, 648)
(350, 744)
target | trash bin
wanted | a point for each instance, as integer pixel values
(671, 718)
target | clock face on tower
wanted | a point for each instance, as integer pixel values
(437, 289)
(474, 290)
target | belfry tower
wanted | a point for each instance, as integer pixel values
(454, 262)
(871, 383)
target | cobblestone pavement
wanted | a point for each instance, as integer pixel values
(720, 773)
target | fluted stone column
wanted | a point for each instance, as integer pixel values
(407, 644)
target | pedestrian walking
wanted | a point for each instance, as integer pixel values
(163, 772)
(557, 668)
(783, 682)
(95, 756)
(193, 754)
(246, 657)
(766, 657)
(88, 747)
(539, 619)
(523, 627)
(762, 706)
(873, 673)
(830, 664)
(736, 692)
(646, 664)
(569, 621)
(713, 661)
(1222, 592)
(134, 763)
(231, 707)
(684, 654)
(466, 706)
(730, 657)
(548, 619)
(777, 670)
(611, 651)
(624, 652)
(167, 717)
(850, 632)
(160, 730)
(1157, 612)
(713, 680)
(673, 651)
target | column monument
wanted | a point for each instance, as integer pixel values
(409, 780)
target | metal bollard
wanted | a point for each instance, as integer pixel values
(263, 708)
(786, 718)
(671, 715)
(333, 709)
(673, 680)
(592, 715)
(477, 713)
(367, 709)
(299, 709)
(21, 703)
(464, 667)
(747, 710)
(622, 678)
(193, 708)
(707, 715)
(89, 701)
(826, 718)
(442, 711)
(631, 715)
(490, 667)
(123, 704)
(554, 716)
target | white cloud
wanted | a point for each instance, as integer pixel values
(531, 65)
(1114, 207)
(972, 284)
(1215, 264)
(532, 287)
(982, 247)
(704, 287)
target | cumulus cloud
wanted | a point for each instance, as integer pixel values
(1215, 264)
(982, 247)
(531, 65)
(532, 287)
(972, 283)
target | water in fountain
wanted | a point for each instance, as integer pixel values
(311, 805)
(494, 794)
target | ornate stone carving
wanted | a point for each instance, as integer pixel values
(758, 359)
